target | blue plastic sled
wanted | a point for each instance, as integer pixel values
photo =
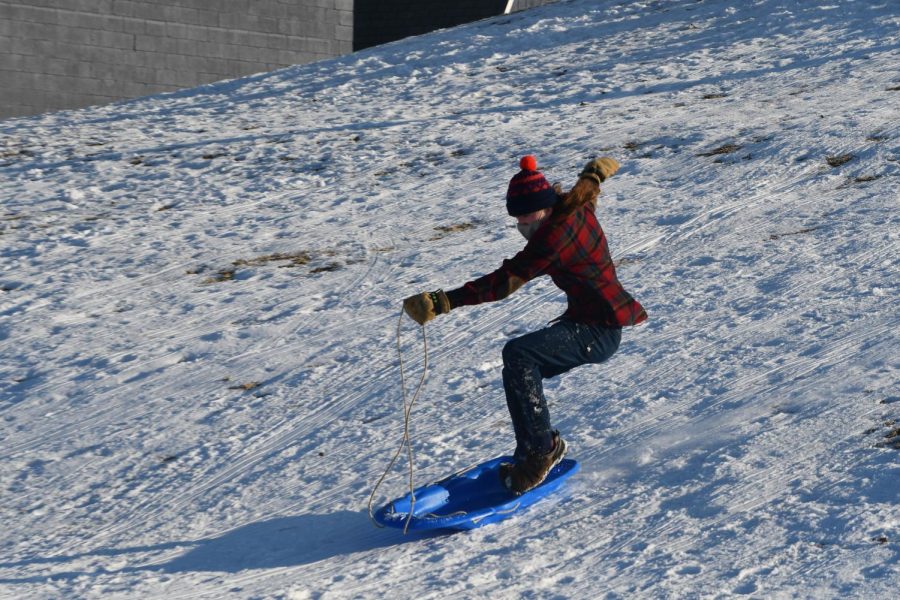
(469, 499)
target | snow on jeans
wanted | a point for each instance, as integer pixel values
(546, 353)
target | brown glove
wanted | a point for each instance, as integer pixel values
(600, 169)
(425, 306)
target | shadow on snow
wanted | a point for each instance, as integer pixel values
(280, 542)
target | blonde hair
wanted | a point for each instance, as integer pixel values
(584, 191)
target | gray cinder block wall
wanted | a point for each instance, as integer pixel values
(526, 4)
(57, 54)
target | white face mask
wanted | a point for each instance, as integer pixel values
(528, 229)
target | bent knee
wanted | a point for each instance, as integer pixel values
(513, 351)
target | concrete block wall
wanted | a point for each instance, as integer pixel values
(526, 4)
(58, 54)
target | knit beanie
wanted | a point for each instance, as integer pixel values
(528, 190)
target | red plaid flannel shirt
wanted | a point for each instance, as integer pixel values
(574, 253)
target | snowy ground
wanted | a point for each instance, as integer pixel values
(200, 292)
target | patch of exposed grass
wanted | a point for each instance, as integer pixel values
(890, 438)
(839, 159)
(283, 260)
(627, 260)
(16, 153)
(221, 276)
(445, 230)
(326, 268)
(778, 236)
(246, 387)
(724, 149)
(866, 178)
(294, 259)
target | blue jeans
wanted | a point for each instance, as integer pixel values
(549, 352)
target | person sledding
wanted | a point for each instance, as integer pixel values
(566, 242)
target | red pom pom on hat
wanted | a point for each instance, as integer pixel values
(528, 163)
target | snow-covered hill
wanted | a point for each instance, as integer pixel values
(199, 381)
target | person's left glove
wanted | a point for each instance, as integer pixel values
(600, 169)
(425, 306)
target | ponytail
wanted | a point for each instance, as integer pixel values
(583, 192)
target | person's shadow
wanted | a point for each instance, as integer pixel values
(280, 542)
(288, 541)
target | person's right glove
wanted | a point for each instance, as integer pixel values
(425, 306)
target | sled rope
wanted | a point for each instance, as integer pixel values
(407, 411)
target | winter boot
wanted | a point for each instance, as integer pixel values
(527, 474)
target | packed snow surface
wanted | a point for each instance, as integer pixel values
(200, 380)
